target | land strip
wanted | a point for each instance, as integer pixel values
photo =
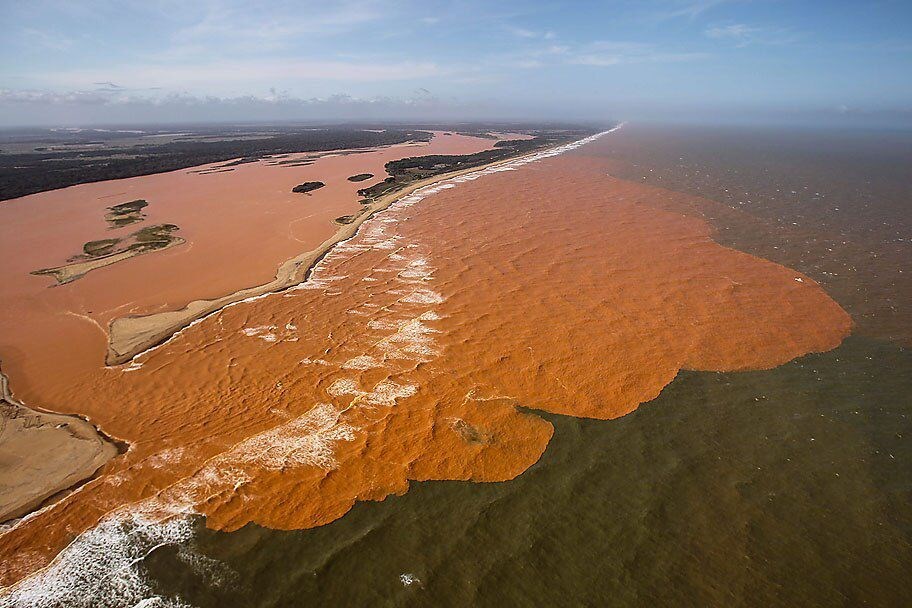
(131, 335)
(58, 451)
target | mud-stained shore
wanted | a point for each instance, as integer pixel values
(411, 353)
(131, 335)
(43, 454)
(240, 226)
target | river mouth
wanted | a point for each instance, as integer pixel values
(417, 349)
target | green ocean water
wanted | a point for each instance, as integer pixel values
(783, 487)
(788, 487)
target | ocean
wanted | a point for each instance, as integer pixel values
(622, 375)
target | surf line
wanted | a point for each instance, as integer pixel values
(407, 198)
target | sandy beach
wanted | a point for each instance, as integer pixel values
(43, 454)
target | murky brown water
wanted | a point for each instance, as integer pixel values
(412, 355)
(784, 487)
(833, 204)
(240, 225)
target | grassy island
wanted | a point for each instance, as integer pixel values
(307, 187)
(360, 177)
(104, 252)
(127, 213)
(409, 170)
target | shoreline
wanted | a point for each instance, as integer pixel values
(469, 425)
(131, 336)
(67, 273)
(65, 450)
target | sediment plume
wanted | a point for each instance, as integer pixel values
(418, 349)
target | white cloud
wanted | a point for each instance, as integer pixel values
(607, 53)
(689, 9)
(105, 107)
(742, 35)
(521, 32)
(250, 74)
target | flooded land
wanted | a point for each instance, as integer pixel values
(633, 369)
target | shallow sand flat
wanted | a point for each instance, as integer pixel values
(131, 335)
(405, 356)
(239, 227)
(42, 454)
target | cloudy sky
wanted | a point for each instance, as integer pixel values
(97, 61)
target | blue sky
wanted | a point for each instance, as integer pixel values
(172, 60)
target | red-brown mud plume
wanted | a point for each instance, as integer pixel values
(240, 225)
(410, 352)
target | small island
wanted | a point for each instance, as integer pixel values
(360, 177)
(307, 187)
(127, 213)
(104, 252)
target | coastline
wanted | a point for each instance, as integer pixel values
(462, 428)
(63, 450)
(291, 273)
(49, 454)
(131, 336)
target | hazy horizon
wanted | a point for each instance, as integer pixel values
(724, 61)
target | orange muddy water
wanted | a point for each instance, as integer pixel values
(240, 225)
(412, 353)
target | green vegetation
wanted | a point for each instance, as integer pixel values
(100, 247)
(346, 219)
(144, 239)
(240, 161)
(103, 252)
(127, 213)
(360, 177)
(148, 238)
(153, 236)
(74, 162)
(307, 187)
(407, 170)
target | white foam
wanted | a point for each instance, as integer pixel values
(361, 362)
(423, 295)
(165, 458)
(256, 331)
(307, 440)
(411, 340)
(309, 361)
(384, 393)
(102, 567)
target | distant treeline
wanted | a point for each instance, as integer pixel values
(410, 169)
(28, 173)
